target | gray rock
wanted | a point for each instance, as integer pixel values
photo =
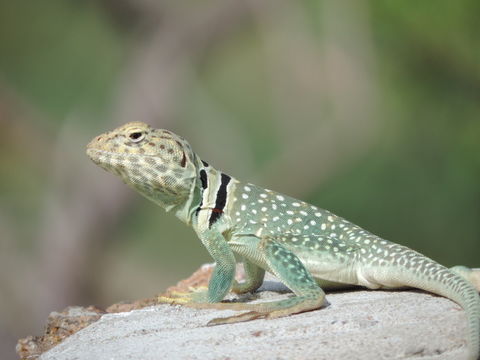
(356, 325)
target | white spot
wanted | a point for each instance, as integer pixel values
(366, 241)
(303, 212)
(333, 227)
(252, 221)
(275, 218)
(274, 206)
(254, 211)
(313, 222)
(306, 227)
(263, 196)
(317, 214)
(330, 218)
(324, 226)
(296, 204)
(263, 209)
(245, 196)
(247, 188)
(243, 207)
(260, 201)
(289, 222)
(289, 212)
(280, 197)
(237, 213)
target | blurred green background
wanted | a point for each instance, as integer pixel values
(370, 109)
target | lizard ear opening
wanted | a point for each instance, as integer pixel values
(183, 163)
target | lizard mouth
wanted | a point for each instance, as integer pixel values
(108, 161)
(103, 157)
(96, 154)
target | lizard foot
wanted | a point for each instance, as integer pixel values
(474, 278)
(471, 275)
(195, 295)
(247, 316)
(269, 310)
(197, 298)
(265, 311)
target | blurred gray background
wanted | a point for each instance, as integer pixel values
(370, 109)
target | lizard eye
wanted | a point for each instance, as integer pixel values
(136, 136)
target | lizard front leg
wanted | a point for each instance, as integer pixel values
(221, 279)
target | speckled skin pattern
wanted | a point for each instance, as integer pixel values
(306, 247)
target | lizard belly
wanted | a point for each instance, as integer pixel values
(377, 278)
(329, 268)
(337, 270)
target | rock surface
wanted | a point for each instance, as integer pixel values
(60, 325)
(357, 324)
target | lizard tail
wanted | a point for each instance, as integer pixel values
(437, 279)
(464, 294)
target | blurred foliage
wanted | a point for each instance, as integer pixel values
(244, 105)
(59, 54)
(421, 180)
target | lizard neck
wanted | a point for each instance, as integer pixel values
(211, 198)
(187, 209)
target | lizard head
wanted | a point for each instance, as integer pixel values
(156, 162)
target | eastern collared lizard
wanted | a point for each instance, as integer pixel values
(309, 249)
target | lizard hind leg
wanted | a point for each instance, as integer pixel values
(471, 275)
(254, 275)
(289, 269)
